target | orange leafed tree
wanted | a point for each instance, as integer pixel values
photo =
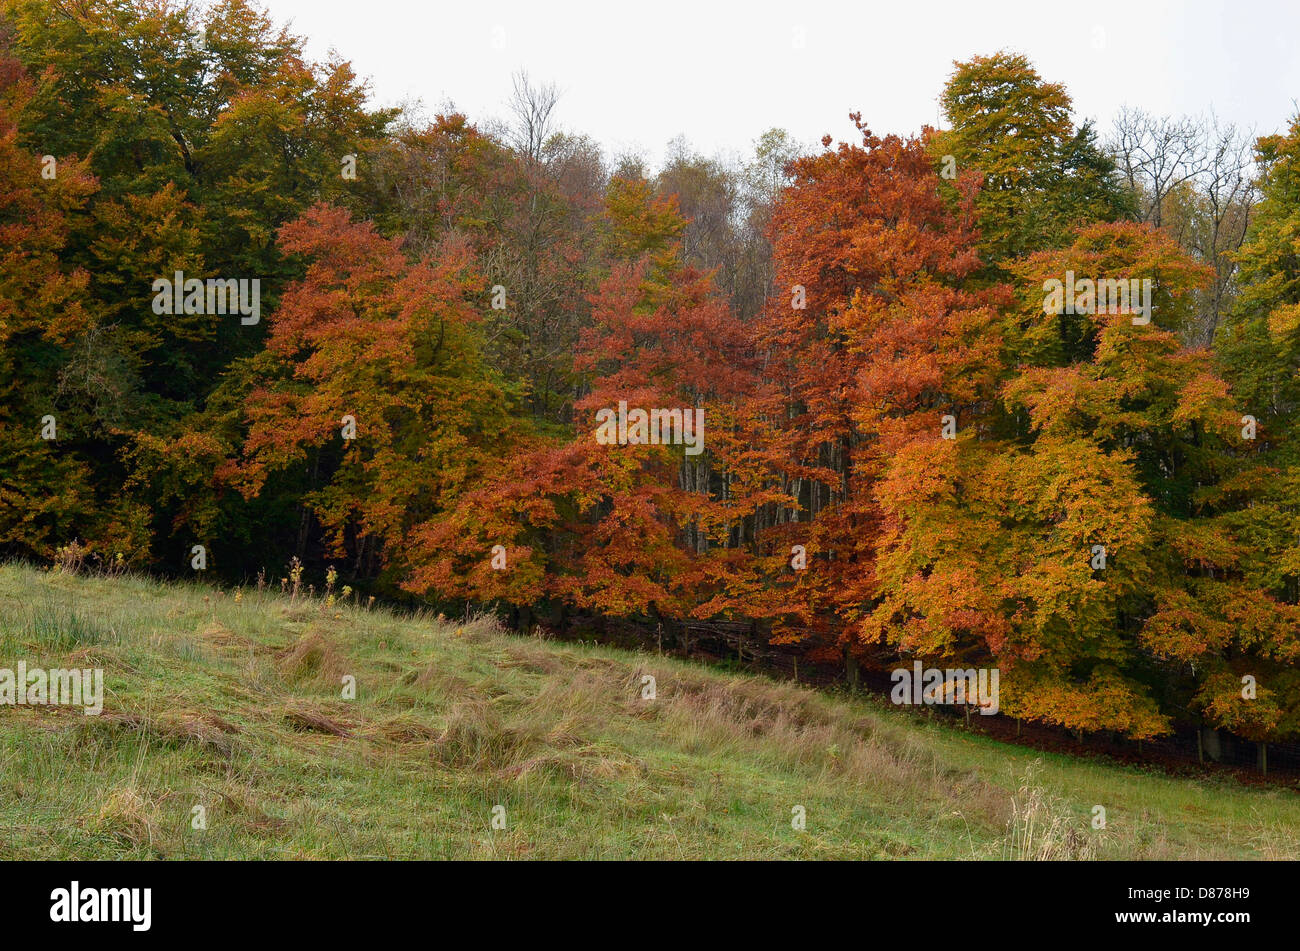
(45, 495)
(372, 388)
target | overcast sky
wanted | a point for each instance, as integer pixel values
(634, 77)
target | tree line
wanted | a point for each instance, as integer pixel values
(906, 453)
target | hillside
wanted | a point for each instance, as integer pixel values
(232, 701)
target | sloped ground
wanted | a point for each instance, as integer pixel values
(234, 703)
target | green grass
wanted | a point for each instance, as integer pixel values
(237, 706)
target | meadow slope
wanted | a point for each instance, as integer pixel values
(233, 702)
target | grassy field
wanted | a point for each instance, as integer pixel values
(232, 701)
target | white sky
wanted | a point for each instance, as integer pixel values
(720, 73)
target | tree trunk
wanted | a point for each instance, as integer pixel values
(1213, 746)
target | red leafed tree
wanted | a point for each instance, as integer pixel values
(625, 530)
(871, 339)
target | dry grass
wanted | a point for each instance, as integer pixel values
(237, 707)
(1042, 828)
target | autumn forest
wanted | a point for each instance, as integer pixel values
(1019, 392)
